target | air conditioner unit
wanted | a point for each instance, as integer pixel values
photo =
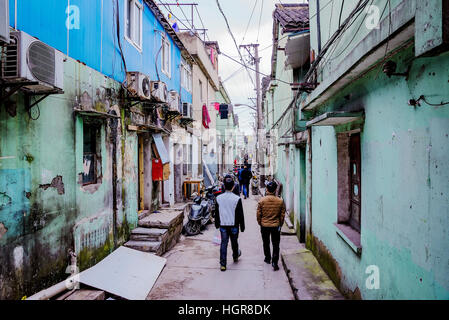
(159, 91)
(4, 22)
(27, 58)
(138, 84)
(173, 100)
(187, 110)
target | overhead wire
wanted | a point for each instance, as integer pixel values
(260, 20)
(221, 52)
(249, 21)
(233, 38)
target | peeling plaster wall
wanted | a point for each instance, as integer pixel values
(405, 185)
(44, 210)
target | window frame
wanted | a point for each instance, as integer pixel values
(186, 76)
(201, 90)
(130, 24)
(165, 40)
(345, 225)
(95, 133)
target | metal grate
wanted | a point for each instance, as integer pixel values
(10, 61)
(41, 62)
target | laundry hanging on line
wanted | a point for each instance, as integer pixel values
(224, 109)
(206, 118)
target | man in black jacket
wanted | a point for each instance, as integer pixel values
(246, 179)
(229, 217)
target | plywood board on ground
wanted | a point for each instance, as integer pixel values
(126, 273)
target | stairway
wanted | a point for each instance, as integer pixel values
(159, 231)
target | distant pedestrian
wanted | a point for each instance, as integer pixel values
(270, 216)
(239, 177)
(246, 176)
(229, 217)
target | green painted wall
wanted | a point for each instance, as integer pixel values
(405, 183)
(44, 210)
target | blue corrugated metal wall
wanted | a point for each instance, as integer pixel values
(95, 42)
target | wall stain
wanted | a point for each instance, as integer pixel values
(56, 183)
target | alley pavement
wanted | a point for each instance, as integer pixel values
(193, 270)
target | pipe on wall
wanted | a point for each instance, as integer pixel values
(318, 24)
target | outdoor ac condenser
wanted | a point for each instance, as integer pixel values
(187, 110)
(4, 22)
(28, 59)
(159, 91)
(173, 100)
(138, 85)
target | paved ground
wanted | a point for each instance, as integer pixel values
(192, 269)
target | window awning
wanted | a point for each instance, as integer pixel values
(163, 153)
(94, 113)
(297, 50)
(335, 118)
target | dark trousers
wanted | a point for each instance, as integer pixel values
(275, 235)
(246, 190)
(226, 233)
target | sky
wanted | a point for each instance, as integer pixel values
(238, 13)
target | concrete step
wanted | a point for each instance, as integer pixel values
(146, 246)
(148, 234)
(307, 279)
(164, 219)
(286, 231)
(288, 221)
(85, 294)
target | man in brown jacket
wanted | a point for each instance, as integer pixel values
(270, 216)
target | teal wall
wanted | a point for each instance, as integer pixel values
(405, 183)
(42, 216)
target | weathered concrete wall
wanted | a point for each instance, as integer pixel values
(44, 210)
(405, 183)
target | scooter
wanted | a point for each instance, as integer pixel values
(202, 211)
(255, 185)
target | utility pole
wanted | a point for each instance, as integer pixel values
(259, 127)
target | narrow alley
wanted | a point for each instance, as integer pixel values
(125, 125)
(193, 270)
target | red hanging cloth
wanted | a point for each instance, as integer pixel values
(206, 118)
(157, 170)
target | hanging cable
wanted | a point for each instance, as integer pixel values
(249, 21)
(233, 38)
(260, 20)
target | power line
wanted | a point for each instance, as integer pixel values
(222, 53)
(260, 20)
(233, 74)
(249, 21)
(233, 38)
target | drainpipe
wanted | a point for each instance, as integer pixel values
(318, 25)
(309, 177)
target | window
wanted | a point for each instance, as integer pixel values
(189, 168)
(166, 56)
(133, 23)
(91, 156)
(184, 159)
(349, 187)
(201, 90)
(354, 181)
(186, 76)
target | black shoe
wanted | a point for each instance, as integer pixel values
(275, 266)
(223, 268)
(267, 260)
(240, 253)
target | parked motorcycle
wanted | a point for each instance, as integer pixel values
(202, 210)
(255, 184)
